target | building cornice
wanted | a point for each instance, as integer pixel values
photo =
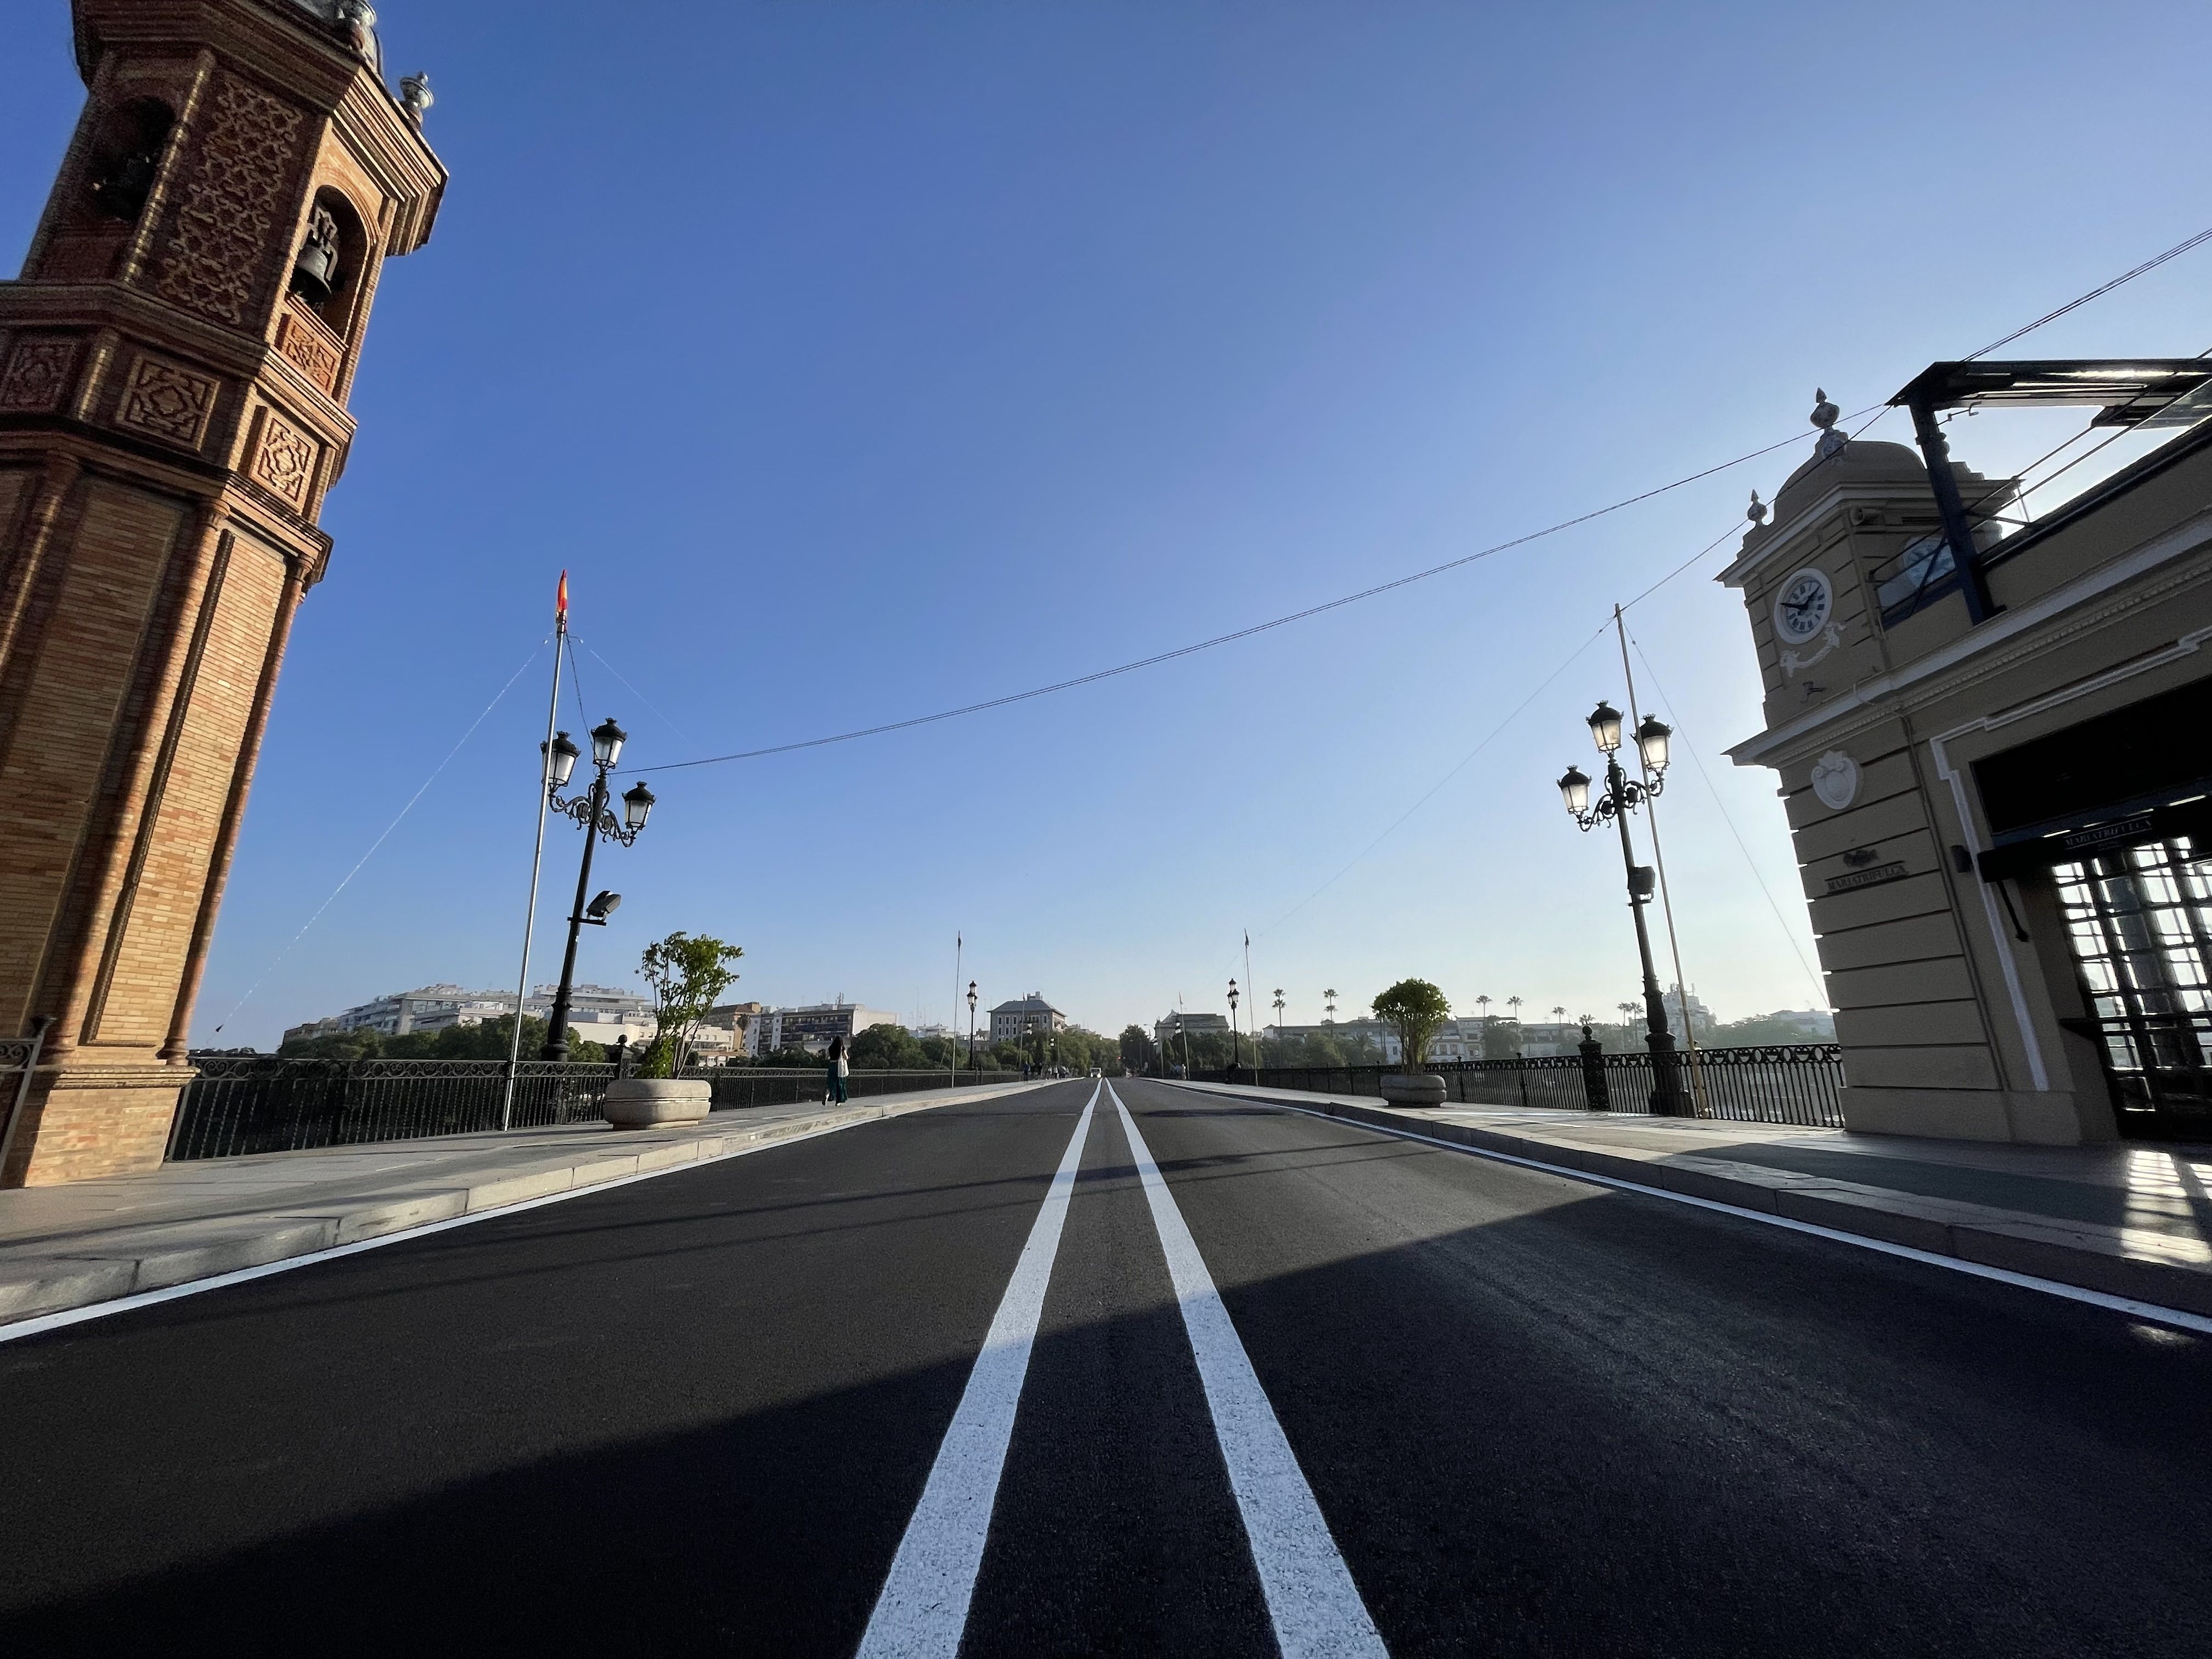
(1990, 649)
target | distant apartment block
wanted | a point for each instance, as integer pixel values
(601, 1013)
(814, 1025)
(1012, 1021)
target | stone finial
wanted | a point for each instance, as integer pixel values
(1757, 511)
(1825, 415)
(357, 22)
(415, 96)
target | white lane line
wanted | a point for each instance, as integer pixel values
(38, 1324)
(1314, 1605)
(923, 1608)
(2156, 1312)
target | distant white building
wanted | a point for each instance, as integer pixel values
(600, 1012)
(1165, 1031)
(1012, 1021)
(814, 1025)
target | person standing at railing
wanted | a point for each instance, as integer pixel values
(839, 1070)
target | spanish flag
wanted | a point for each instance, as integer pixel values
(561, 598)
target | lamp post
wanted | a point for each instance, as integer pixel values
(971, 1024)
(1623, 795)
(1236, 1052)
(592, 816)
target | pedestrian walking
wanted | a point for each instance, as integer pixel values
(840, 1069)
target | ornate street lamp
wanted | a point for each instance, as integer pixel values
(1622, 796)
(590, 814)
(1236, 1053)
(971, 1024)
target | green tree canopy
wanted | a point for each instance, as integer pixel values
(686, 977)
(1416, 1008)
(491, 1040)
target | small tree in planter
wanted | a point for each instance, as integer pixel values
(1417, 1009)
(687, 977)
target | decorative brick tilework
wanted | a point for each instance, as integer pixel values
(309, 346)
(231, 207)
(284, 458)
(37, 375)
(167, 399)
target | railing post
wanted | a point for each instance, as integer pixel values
(1594, 1088)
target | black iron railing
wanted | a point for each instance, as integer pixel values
(240, 1104)
(1793, 1083)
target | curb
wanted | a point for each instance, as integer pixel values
(162, 1255)
(2128, 1264)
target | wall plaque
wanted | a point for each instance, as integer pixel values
(1857, 878)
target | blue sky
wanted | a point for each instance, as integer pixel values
(860, 360)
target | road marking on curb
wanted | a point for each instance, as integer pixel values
(1312, 1602)
(38, 1324)
(2155, 1311)
(922, 1610)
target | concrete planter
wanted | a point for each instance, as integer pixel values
(1426, 1090)
(638, 1102)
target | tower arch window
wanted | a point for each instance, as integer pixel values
(332, 258)
(127, 148)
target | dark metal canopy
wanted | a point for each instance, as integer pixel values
(2138, 391)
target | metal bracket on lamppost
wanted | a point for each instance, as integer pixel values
(1623, 795)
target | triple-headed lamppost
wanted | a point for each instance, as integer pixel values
(1623, 795)
(592, 815)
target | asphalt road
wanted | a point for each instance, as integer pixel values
(1413, 1400)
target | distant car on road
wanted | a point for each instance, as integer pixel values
(1097, 1071)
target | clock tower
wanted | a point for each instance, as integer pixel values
(175, 360)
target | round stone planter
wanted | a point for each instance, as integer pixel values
(638, 1102)
(1427, 1090)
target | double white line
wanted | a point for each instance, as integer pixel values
(1314, 1606)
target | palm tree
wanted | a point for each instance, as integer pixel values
(1514, 1003)
(1330, 1003)
(1560, 1013)
(1483, 1003)
(1278, 1008)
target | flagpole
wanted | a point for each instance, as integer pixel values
(537, 853)
(952, 1045)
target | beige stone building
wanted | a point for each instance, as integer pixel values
(1994, 736)
(174, 364)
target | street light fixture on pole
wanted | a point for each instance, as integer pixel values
(1236, 1053)
(1623, 795)
(590, 815)
(971, 1024)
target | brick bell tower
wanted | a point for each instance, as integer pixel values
(175, 363)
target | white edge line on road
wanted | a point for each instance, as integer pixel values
(1312, 1602)
(2150, 1310)
(38, 1324)
(922, 1610)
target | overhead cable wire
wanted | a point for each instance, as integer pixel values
(1159, 657)
(2178, 249)
(1495, 731)
(1876, 410)
(1819, 990)
(386, 836)
(650, 708)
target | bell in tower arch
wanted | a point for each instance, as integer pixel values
(315, 272)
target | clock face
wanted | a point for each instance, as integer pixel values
(1802, 606)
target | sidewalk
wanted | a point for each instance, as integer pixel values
(2130, 1220)
(92, 1241)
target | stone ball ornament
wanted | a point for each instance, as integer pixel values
(1836, 780)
